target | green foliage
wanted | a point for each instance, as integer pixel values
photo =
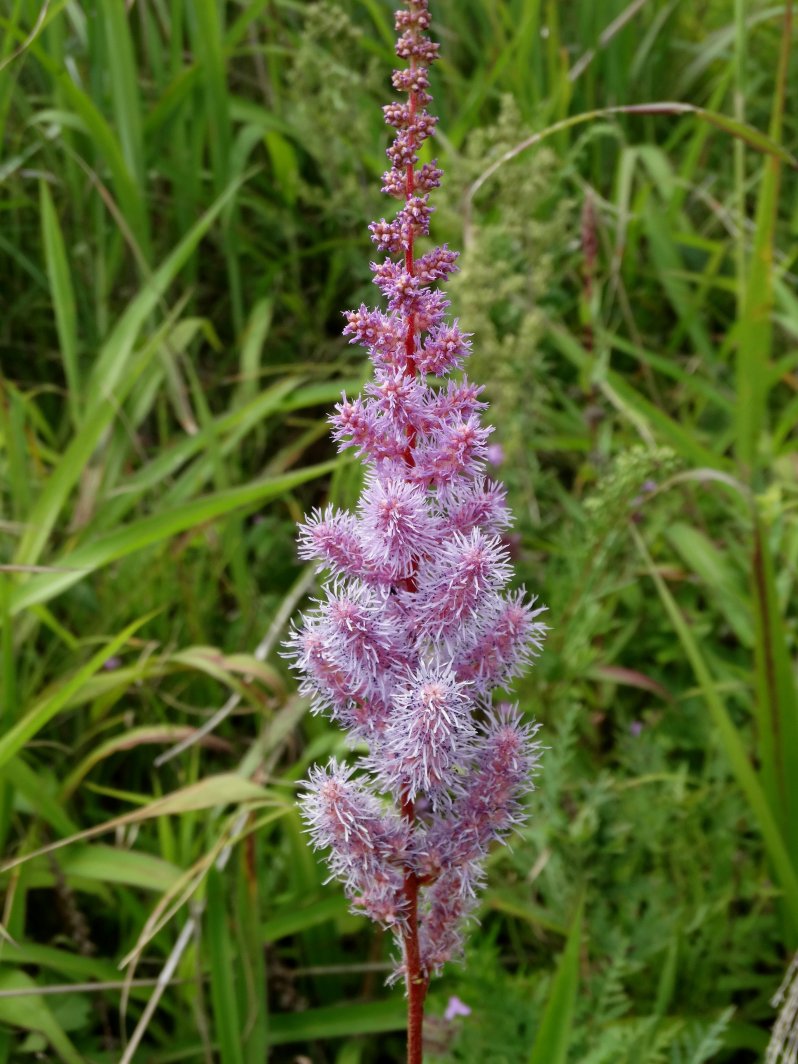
(184, 200)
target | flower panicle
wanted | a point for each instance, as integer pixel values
(416, 626)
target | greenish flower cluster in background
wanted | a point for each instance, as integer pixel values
(520, 237)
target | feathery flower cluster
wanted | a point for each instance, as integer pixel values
(416, 626)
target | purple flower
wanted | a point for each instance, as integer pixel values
(454, 1008)
(495, 454)
(416, 626)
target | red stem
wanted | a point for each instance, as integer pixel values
(416, 980)
(410, 188)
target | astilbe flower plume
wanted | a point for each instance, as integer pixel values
(416, 627)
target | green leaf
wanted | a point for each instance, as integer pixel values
(112, 864)
(641, 412)
(295, 918)
(155, 529)
(67, 470)
(29, 1012)
(47, 707)
(63, 296)
(714, 568)
(337, 1021)
(91, 121)
(776, 693)
(35, 791)
(124, 87)
(209, 793)
(113, 358)
(732, 744)
(554, 1034)
(223, 975)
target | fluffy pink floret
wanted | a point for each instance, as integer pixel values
(367, 846)
(447, 907)
(464, 575)
(329, 687)
(444, 350)
(354, 624)
(456, 449)
(359, 424)
(382, 334)
(429, 734)
(396, 525)
(509, 643)
(476, 503)
(332, 538)
(437, 264)
(490, 804)
(456, 403)
(398, 396)
(344, 650)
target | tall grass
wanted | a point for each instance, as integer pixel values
(185, 188)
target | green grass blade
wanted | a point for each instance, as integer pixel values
(227, 1026)
(209, 49)
(668, 263)
(66, 472)
(112, 360)
(63, 297)
(260, 320)
(755, 328)
(210, 792)
(29, 1012)
(44, 710)
(129, 192)
(636, 407)
(776, 694)
(124, 87)
(338, 1021)
(715, 570)
(554, 1033)
(251, 949)
(109, 864)
(33, 788)
(296, 918)
(111, 376)
(156, 529)
(732, 744)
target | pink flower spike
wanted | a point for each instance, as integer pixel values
(416, 626)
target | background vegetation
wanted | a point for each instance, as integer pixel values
(185, 190)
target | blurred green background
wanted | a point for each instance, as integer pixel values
(185, 188)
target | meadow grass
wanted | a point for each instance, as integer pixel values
(185, 190)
